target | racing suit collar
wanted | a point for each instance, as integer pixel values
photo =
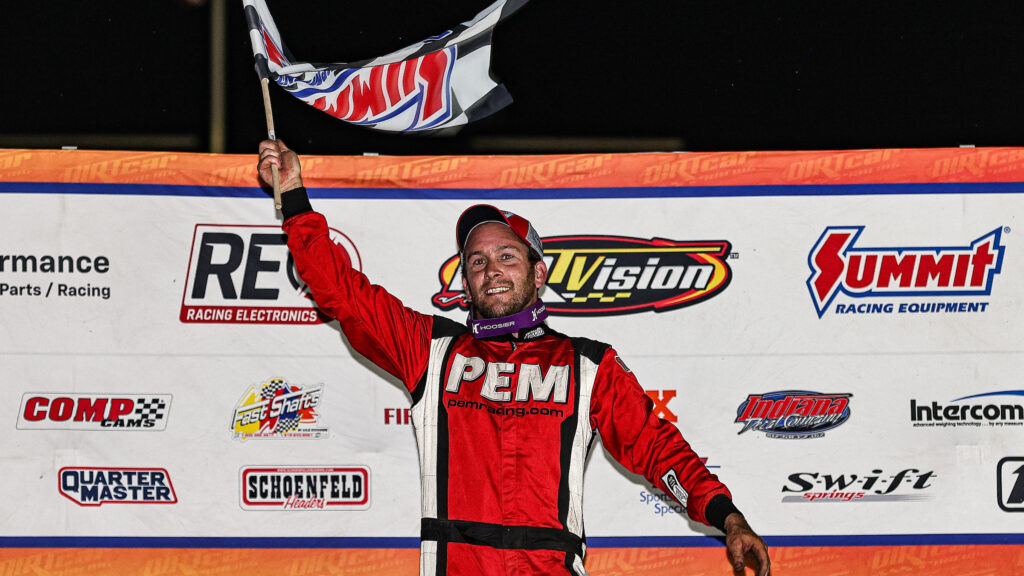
(523, 322)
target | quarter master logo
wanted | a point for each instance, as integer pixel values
(793, 414)
(244, 274)
(87, 486)
(926, 280)
(93, 411)
(906, 485)
(277, 409)
(305, 488)
(608, 275)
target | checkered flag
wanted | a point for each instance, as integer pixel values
(150, 408)
(287, 423)
(270, 389)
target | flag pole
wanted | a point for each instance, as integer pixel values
(264, 83)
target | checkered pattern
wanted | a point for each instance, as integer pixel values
(287, 423)
(270, 389)
(150, 408)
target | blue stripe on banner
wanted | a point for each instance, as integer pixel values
(592, 542)
(523, 194)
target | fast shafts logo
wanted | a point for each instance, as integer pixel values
(609, 275)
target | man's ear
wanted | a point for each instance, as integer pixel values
(540, 270)
(465, 289)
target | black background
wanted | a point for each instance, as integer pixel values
(693, 75)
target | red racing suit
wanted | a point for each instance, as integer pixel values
(503, 424)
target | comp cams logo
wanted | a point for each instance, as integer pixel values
(971, 411)
(241, 274)
(937, 273)
(305, 488)
(906, 486)
(277, 409)
(793, 414)
(609, 275)
(94, 411)
(88, 486)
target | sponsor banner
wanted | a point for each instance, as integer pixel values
(907, 485)
(315, 488)
(110, 412)
(591, 275)
(88, 486)
(244, 274)
(1004, 408)
(277, 409)
(793, 414)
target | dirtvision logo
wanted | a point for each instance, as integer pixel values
(969, 411)
(87, 486)
(793, 414)
(315, 488)
(277, 409)
(240, 274)
(938, 273)
(609, 275)
(904, 486)
(93, 411)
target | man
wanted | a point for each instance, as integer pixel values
(504, 407)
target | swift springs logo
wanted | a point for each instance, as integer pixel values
(88, 486)
(305, 488)
(793, 414)
(609, 275)
(904, 486)
(277, 409)
(241, 274)
(901, 274)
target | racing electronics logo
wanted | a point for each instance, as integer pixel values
(793, 414)
(609, 275)
(873, 487)
(88, 486)
(93, 411)
(242, 274)
(837, 266)
(305, 488)
(277, 409)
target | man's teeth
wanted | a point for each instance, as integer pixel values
(497, 290)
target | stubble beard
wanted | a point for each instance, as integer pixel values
(521, 297)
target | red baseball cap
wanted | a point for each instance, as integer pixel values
(483, 213)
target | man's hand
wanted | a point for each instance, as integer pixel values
(275, 153)
(741, 540)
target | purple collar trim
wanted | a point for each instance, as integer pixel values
(488, 327)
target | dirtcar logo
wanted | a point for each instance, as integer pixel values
(94, 411)
(98, 486)
(277, 409)
(241, 274)
(837, 266)
(873, 487)
(608, 275)
(306, 488)
(793, 414)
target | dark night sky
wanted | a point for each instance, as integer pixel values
(712, 75)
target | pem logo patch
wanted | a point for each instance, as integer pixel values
(609, 275)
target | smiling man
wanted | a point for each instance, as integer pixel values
(504, 407)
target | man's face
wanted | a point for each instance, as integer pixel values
(498, 274)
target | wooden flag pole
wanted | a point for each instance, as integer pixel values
(264, 82)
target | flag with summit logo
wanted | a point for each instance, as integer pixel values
(433, 86)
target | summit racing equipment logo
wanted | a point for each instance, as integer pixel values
(241, 274)
(836, 266)
(793, 414)
(609, 275)
(404, 96)
(874, 487)
(969, 411)
(305, 488)
(93, 411)
(277, 409)
(87, 486)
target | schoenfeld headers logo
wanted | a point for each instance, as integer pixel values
(305, 488)
(608, 275)
(244, 274)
